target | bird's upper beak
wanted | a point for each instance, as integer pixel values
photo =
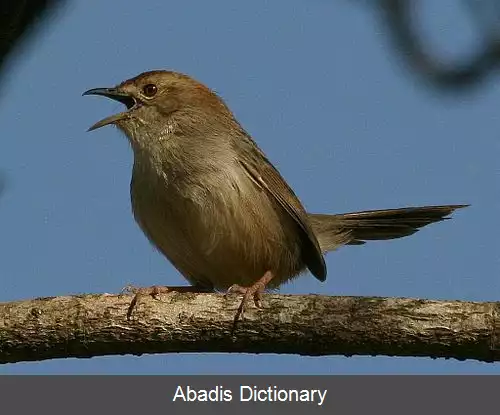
(117, 95)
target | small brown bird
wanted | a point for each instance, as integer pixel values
(209, 199)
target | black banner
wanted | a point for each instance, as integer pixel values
(246, 394)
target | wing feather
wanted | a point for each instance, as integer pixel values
(268, 178)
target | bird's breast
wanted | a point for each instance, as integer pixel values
(214, 224)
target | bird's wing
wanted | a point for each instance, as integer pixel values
(265, 175)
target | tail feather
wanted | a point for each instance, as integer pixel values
(356, 228)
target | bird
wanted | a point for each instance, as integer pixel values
(209, 199)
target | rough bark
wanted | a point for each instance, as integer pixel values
(96, 325)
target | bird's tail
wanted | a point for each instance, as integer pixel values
(356, 228)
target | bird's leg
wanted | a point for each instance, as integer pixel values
(155, 290)
(254, 291)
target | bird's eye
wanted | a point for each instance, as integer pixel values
(150, 90)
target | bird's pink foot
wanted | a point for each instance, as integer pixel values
(254, 291)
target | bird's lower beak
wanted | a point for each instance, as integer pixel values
(117, 95)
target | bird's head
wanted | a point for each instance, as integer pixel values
(159, 102)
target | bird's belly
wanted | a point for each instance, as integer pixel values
(217, 239)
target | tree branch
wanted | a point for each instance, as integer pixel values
(96, 325)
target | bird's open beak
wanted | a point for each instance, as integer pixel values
(117, 95)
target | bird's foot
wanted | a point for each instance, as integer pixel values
(254, 291)
(155, 291)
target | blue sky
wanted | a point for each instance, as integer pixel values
(316, 85)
